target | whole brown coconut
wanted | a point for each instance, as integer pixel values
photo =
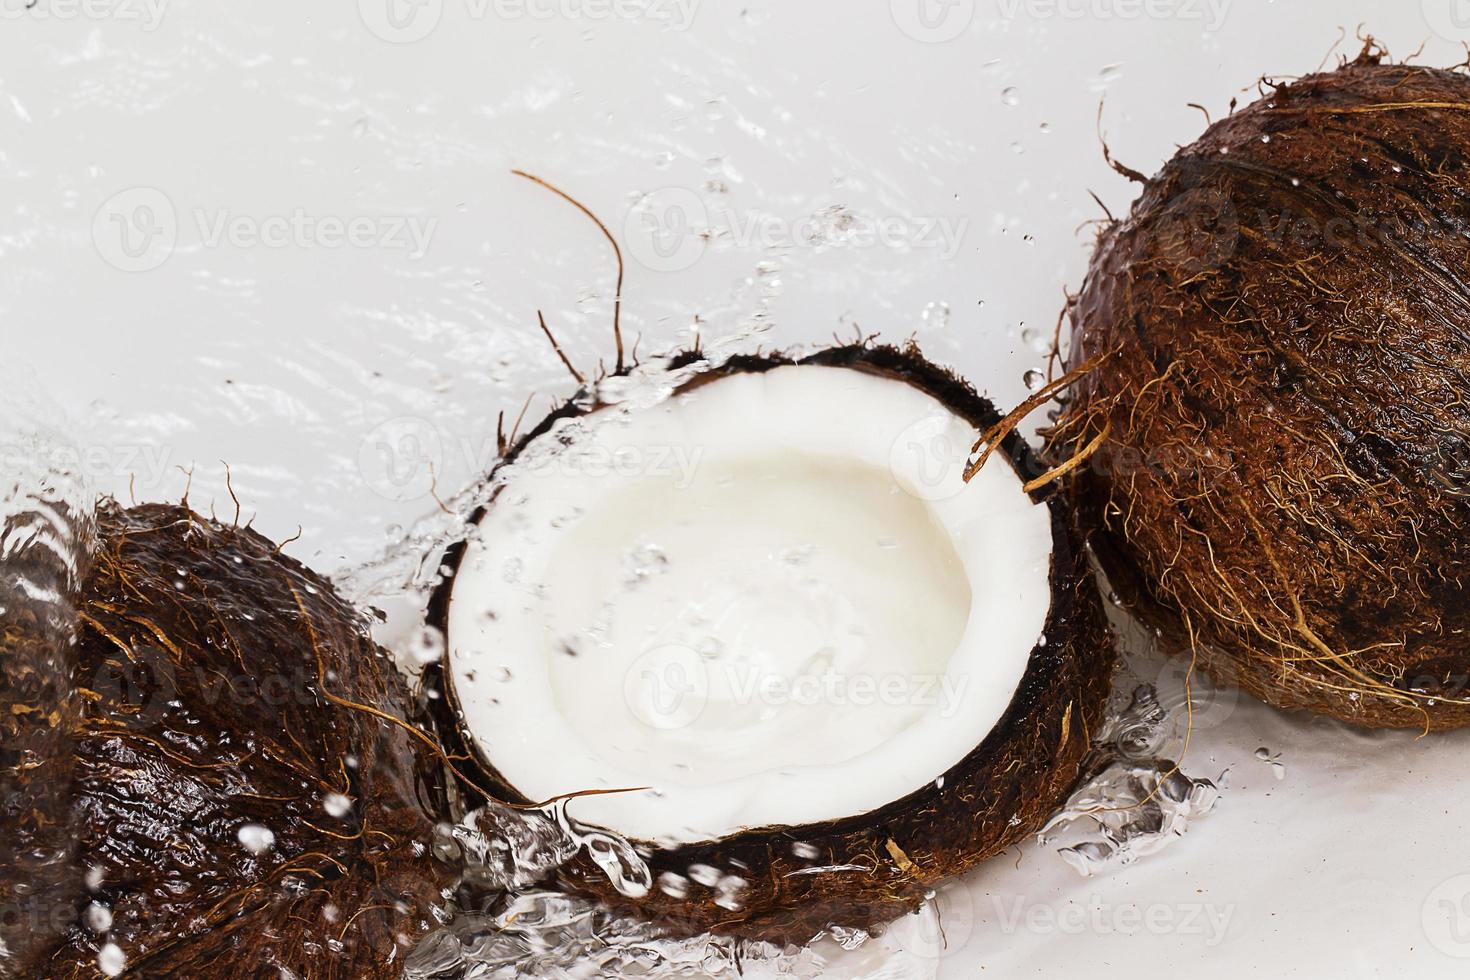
(872, 867)
(1274, 350)
(249, 801)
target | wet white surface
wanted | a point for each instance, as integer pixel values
(286, 236)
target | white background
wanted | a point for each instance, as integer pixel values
(967, 129)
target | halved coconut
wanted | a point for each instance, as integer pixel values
(821, 672)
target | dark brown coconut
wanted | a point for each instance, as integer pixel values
(226, 685)
(996, 796)
(39, 880)
(1281, 329)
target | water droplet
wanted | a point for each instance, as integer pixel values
(1010, 96)
(1035, 339)
(704, 874)
(1034, 379)
(111, 960)
(805, 851)
(936, 314)
(98, 917)
(256, 839)
(728, 892)
(799, 555)
(1278, 769)
(644, 562)
(426, 646)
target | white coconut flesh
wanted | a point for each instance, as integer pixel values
(770, 600)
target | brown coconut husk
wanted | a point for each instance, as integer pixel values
(1280, 352)
(886, 861)
(225, 684)
(39, 879)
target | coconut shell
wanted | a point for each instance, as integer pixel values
(1281, 474)
(1000, 793)
(39, 880)
(227, 687)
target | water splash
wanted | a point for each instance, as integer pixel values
(1273, 760)
(46, 529)
(1140, 803)
(511, 923)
